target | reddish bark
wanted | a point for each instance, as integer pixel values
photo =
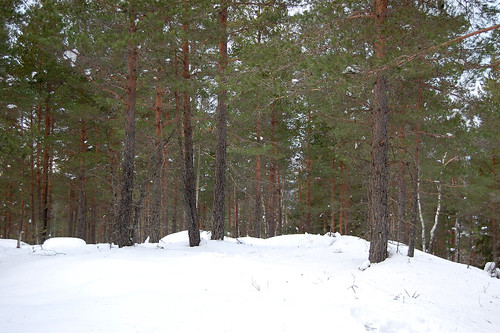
(378, 188)
(220, 151)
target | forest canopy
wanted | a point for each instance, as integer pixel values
(127, 119)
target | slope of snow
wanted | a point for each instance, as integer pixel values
(294, 283)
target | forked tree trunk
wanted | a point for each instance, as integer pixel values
(378, 189)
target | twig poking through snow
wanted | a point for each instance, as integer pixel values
(354, 286)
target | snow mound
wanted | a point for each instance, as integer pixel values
(63, 243)
(291, 283)
(10, 243)
(182, 238)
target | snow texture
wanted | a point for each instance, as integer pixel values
(293, 283)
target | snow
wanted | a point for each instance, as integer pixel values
(293, 283)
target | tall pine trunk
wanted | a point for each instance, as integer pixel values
(81, 219)
(416, 208)
(332, 226)
(122, 227)
(157, 171)
(378, 187)
(494, 220)
(220, 151)
(44, 211)
(188, 167)
(401, 225)
(257, 218)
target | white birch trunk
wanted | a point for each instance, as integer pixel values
(420, 214)
(436, 218)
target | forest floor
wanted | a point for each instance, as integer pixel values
(295, 283)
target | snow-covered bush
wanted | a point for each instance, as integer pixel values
(492, 270)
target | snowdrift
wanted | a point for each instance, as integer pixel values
(293, 283)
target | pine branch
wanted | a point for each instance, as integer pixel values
(402, 60)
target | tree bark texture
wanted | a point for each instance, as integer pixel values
(122, 226)
(401, 225)
(44, 217)
(157, 172)
(378, 188)
(220, 150)
(189, 174)
(414, 210)
(494, 220)
(81, 219)
(257, 218)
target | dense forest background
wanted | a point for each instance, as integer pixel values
(122, 120)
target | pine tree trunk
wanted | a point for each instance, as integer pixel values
(401, 225)
(458, 231)
(93, 220)
(301, 203)
(235, 214)
(341, 199)
(45, 173)
(494, 219)
(332, 227)
(81, 220)
(165, 186)
(174, 208)
(71, 210)
(307, 221)
(5, 230)
(347, 205)
(157, 172)
(416, 213)
(123, 232)
(21, 224)
(32, 221)
(414, 210)
(220, 151)
(189, 175)
(279, 202)
(258, 201)
(197, 185)
(378, 190)
(229, 208)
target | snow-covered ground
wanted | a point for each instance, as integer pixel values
(294, 283)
